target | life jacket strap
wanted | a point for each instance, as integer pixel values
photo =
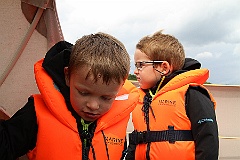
(170, 135)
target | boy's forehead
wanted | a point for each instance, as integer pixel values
(98, 86)
(139, 55)
(86, 73)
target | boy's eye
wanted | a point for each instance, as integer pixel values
(138, 65)
(106, 98)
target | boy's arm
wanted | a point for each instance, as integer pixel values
(202, 115)
(18, 134)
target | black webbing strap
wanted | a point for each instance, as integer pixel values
(170, 135)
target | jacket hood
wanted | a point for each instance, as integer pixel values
(191, 64)
(190, 73)
(54, 62)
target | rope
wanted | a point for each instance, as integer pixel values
(22, 46)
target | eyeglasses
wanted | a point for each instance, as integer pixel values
(140, 64)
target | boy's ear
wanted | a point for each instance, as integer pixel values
(165, 68)
(66, 73)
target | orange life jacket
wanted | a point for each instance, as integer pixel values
(58, 137)
(168, 106)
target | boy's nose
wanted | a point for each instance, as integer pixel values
(136, 70)
(93, 105)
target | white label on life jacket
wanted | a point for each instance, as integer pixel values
(122, 97)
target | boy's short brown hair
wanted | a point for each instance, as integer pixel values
(104, 54)
(163, 47)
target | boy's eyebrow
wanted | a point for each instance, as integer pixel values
(85, 89)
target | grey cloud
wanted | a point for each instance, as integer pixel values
(212, 25)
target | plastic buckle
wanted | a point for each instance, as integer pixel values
(141, 137)
(171, 134)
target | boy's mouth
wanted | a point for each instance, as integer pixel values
(91, 115)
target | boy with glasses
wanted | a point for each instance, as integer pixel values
(175, 115)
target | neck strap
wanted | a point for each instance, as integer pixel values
(150, 92)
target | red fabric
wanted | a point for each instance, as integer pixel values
(49, 25)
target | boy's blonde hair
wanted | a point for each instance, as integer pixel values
(163, 47)
(104, 54)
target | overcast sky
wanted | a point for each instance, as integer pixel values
(208, 29)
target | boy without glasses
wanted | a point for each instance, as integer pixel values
(175, 115)
(82, 109)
